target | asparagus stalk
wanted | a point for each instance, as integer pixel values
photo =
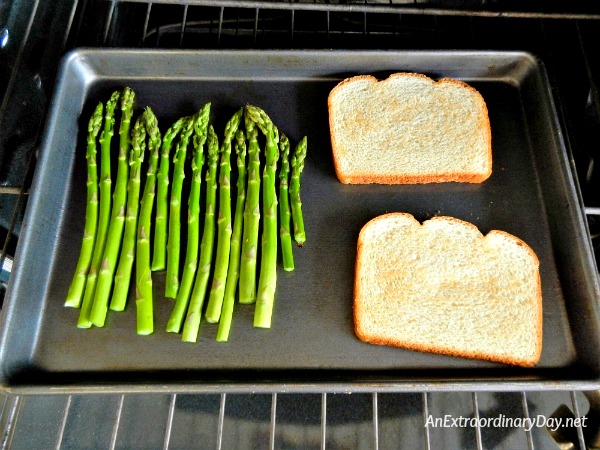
(297, 167)
(91, 212)
(143, 274)
(265, 295)
(192, 320)
(125, 266)
(193, 231)
(117, 220)
(284, 206)
(173, 244)
(217, 290)
(236, 241)
(159, 257)
(103, 212)
(247, 284)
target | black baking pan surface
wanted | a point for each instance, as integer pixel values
(311, 345)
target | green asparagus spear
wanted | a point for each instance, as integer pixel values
(117, 220)
(284, 206)
(159, 257)
(193, 231)
(173, 243)
(217, 290)
(297, 167)
(192, 320)
(248, 275)
(265, 295)
(91, 212)
(125, 266)
(236, 241)
(103, 212)
(143, 274)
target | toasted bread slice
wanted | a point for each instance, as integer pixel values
(443, 287)
(409, 129)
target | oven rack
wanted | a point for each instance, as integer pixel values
(33, 38)
(283, 420)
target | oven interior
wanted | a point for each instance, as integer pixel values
(33, 37)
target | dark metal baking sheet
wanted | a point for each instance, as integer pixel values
(311, 345)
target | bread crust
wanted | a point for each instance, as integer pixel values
(378, 340)
(370, 178)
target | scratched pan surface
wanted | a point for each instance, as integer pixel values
(311, 345)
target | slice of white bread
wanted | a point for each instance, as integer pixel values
(409, 129)
(443, 287)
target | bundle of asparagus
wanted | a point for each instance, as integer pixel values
(113, 241)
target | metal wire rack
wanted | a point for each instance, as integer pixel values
(280, 420)
(34, 37)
